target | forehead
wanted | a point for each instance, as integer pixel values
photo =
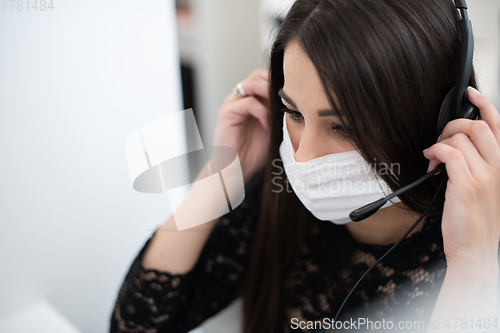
(302, 82)
(296, 62)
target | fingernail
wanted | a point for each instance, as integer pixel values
(473, 90)
(439, 137)
(425, 150)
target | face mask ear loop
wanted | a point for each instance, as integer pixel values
(399, 241)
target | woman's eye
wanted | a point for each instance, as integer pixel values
(337, 129)
(294, 115)
(340, 131)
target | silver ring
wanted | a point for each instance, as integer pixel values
(239, 91)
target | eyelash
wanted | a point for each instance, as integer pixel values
(293, 115)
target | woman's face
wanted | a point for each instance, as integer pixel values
(314, 129)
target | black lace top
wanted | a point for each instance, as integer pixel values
(404, 286)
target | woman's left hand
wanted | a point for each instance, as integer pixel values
(470, 150)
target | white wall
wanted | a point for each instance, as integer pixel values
(485, 18)
(227, 40)
(74, 83)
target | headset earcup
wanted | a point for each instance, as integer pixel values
(445, 112)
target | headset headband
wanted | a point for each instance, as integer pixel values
(459, 98)
(456, 104)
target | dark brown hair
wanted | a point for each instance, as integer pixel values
(390, 63)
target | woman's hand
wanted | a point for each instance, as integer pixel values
(470, 150)
(242, 123)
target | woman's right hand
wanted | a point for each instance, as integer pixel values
(242, 123)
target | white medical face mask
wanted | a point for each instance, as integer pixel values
(332, 186)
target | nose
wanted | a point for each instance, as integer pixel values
(310, 146)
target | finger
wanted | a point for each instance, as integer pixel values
(433, 163)
(456, 166)
(242, 108)
(479, 133)
(256, 84)
(264, 73)
(488, 111)
(475, 162)
(461, 142)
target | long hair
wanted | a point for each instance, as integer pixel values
(390, 64)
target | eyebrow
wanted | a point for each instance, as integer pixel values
(321, 113)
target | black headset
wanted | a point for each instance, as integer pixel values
(455, 105)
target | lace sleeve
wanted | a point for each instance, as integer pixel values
(156, 301)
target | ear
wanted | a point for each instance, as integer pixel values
(445, 112)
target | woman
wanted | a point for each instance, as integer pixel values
(377, 71)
